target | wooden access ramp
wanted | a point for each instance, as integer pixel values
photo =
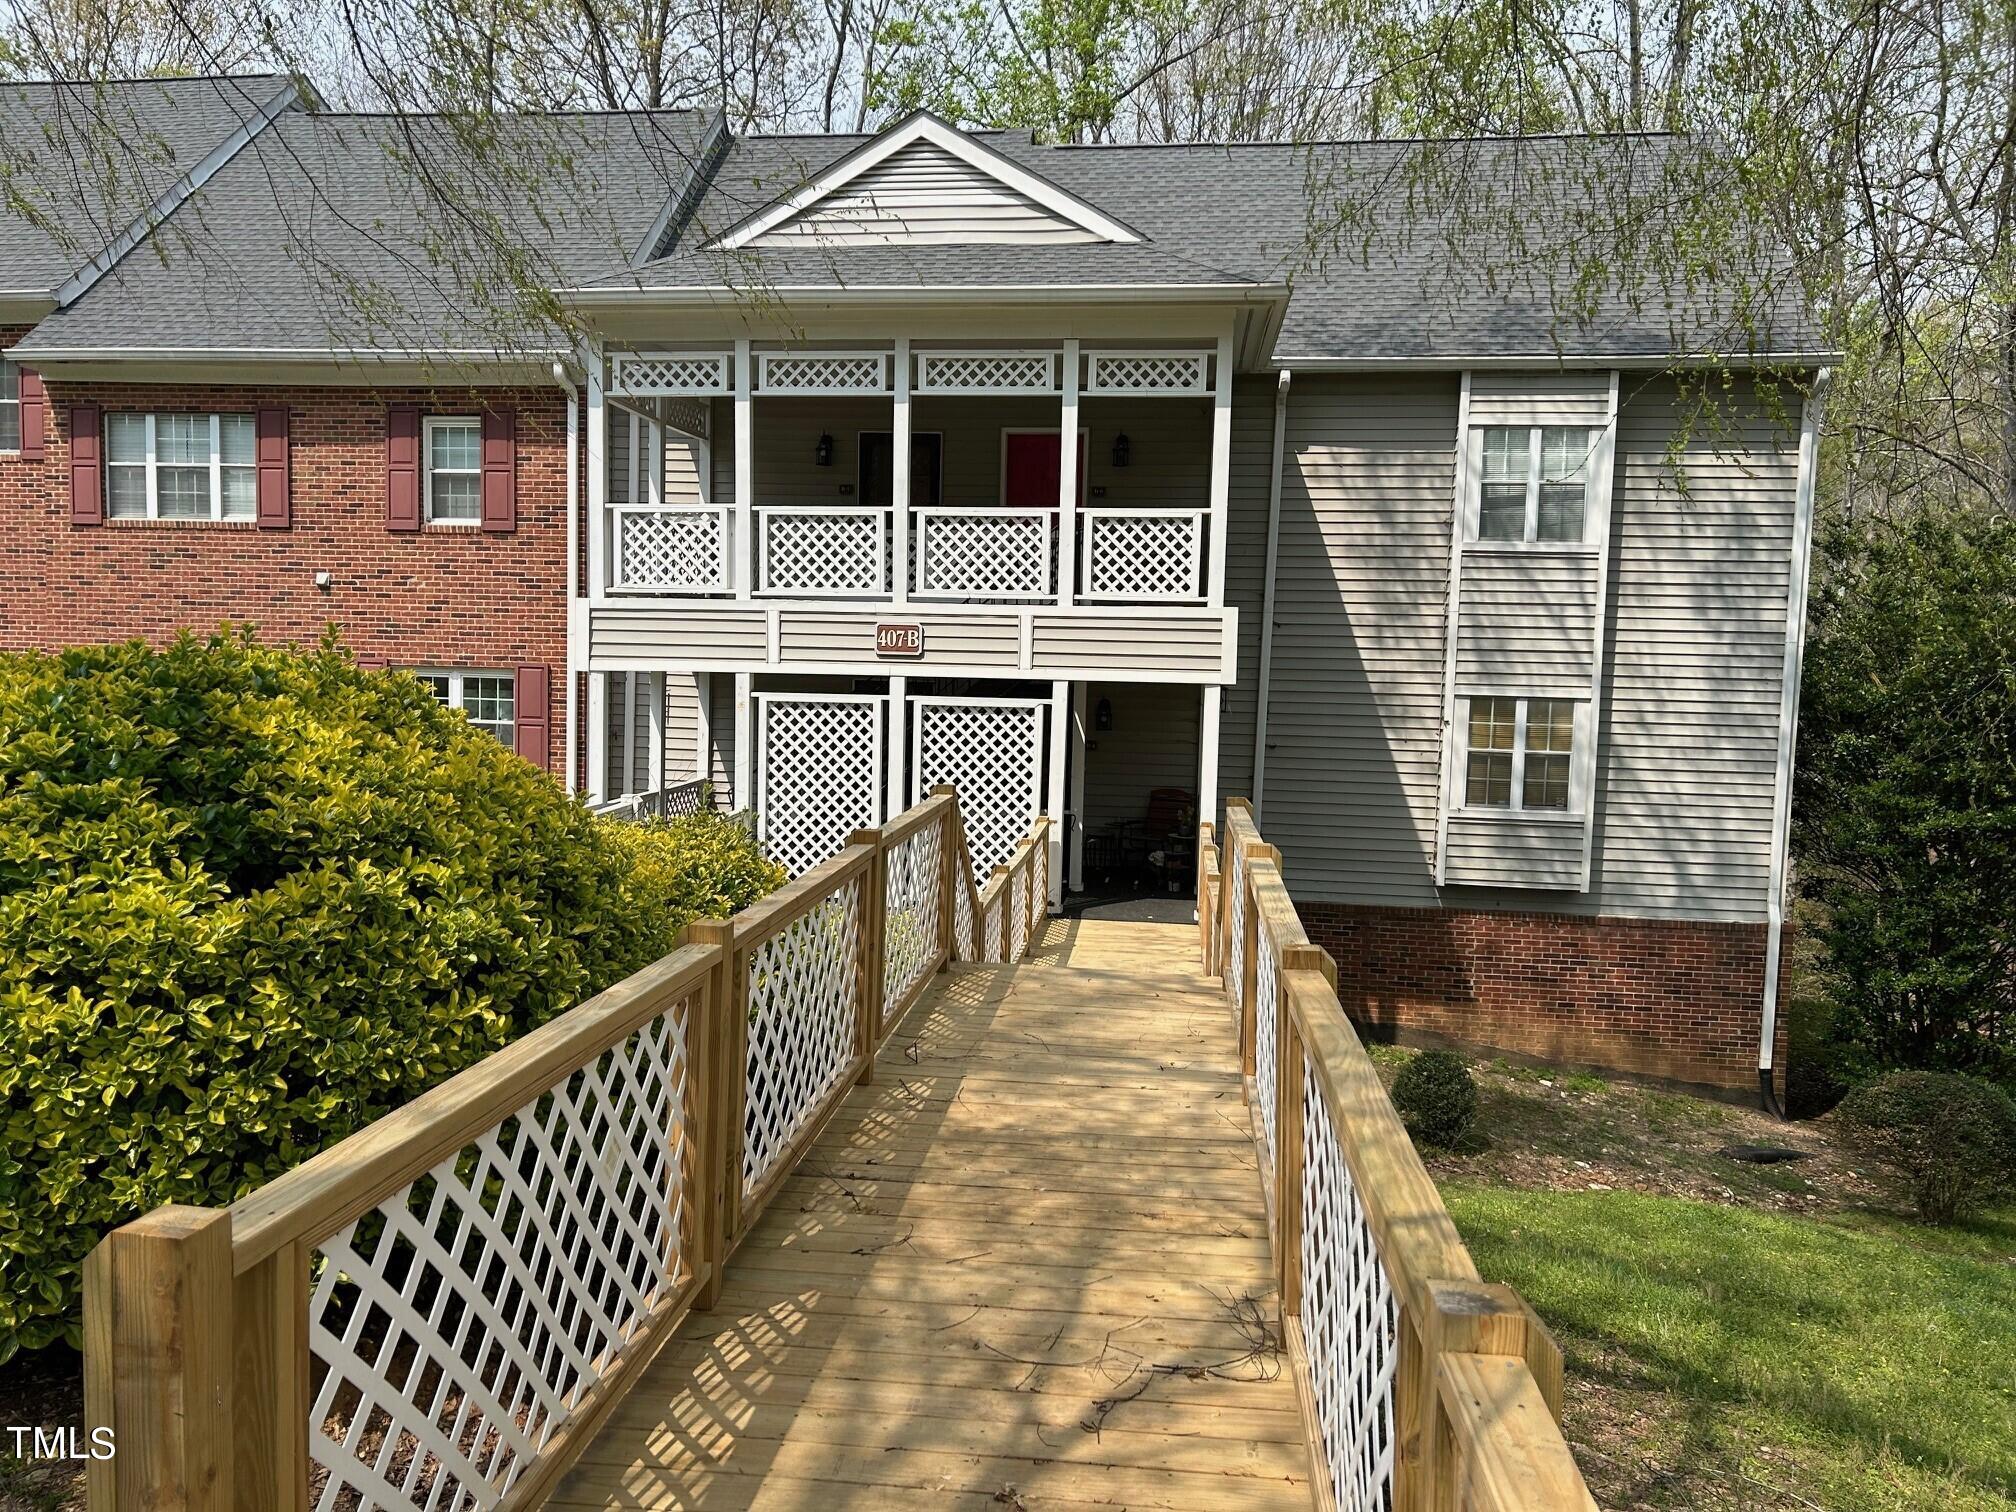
(1026, 1266)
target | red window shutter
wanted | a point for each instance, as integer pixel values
(500, 469)
(534, 693)
(276, 506)
(87, 467)
(34, 406)
(402, 467)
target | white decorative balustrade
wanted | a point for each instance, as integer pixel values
(822, 551)
(671, 550)
(1000, 554)
(986, 372)
(1141, 556)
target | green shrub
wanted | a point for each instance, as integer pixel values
(251, 899)
(1436, 1098)
(1952, 1138)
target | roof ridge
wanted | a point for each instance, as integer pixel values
(204, 78)
(1416, 141)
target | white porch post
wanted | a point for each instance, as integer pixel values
(899, 487)
(1067, 480)
(598, 736)
(626, 779)
(1076, 803)
(745, 740)
(1221, 477)
(654, 683)
(1207, 754)
(703, 727)
(899, 733)
(745, 478)
(1060, 714)
(598, 475)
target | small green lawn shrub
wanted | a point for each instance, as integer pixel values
(250, 900)
(1951, 1138)
(1436, 1098)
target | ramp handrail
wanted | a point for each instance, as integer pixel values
(1420, 1381)
(442, 1308)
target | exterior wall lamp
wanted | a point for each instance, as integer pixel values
(823, 452)
(1102, 714)
(1123, 450)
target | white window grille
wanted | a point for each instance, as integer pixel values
(991, 749)
(489, 699)
(1148, 372)
(823, 372)
(987, 372)
(1532, 484)
(819, 776)
(984, 554)
(825, 552)
(672, 550)
(666, 374)
(1142, 556)
(454, 470)
(10, 406)
(181, 467)
(1525, 755)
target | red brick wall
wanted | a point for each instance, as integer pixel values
(444, 596)
(1665, 998)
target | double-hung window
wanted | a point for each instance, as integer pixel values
(488, 698)
(454, 470)
(181, 467)
(1533, 483)
(1520, 755)
(10, 406)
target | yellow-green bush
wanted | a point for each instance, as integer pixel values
(253, 898)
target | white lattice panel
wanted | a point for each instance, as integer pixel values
(653, 374)
(1235, 966)
(984, 554)
(456, 1327)
(1349, 1323)
(963, 924)
(991, 750)
(1018, 914)
(1140, 557)
(690, 416)
(801, 1025)
(986, 372)
(1147, 373)
(824, 372)
(912, 896)
(824, 551)
(1266, 1010)
(821, 776)
(1043, 876)
(684, 550)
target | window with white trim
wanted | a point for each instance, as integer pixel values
(10, 406)
(454, 474)
(181, 467)
(1519, 754)
(1533, 483)
(488, 698)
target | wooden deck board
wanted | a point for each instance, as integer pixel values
(1027, 1266)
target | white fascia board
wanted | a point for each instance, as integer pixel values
(922, 126)
(72, 288)
(25, 306)
(910, 295)
(287, 365)
(1315, 363)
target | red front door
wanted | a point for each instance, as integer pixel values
(1030, 477)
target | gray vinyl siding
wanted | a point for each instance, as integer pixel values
(682, 726)
(1245, 576)
(1540, 398)
(646, 630)
(973, 640)
(923, 194)
(1510, 851)
(1141, 642)
(1527, 619)
(721, 701)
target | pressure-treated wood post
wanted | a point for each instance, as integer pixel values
(269, 1321)
(717, 1057)
(874, 908)
(157, 1363)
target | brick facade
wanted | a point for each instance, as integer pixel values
(448, 596)
(1671, 999)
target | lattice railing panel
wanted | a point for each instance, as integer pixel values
(821, 778)
(963, 922)
(684, 550)
(1350, 1328)
(1144, 557)
(652, 374)
(912, 896)
(824, 373)
(987, 554)
(992, 753)
(1235, 964)
(456, 1327)
(986, 372)
(1042, 884)
(1018, 914)
(831, 551)
(1266, 987)
(688, 415)
(1148, 373)
(802, 982)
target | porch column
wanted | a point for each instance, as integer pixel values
(1207, 755)
(745, 740)
(654, 683)
(703, 727)
(1076, 803)
(625, 778)
(1060, 715)
(1221, 473)
(1067, 480)
(899, 490)
(745, 479)
(598, 736)
(899, 733)
(598, 473)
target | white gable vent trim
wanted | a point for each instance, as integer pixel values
(946, 188)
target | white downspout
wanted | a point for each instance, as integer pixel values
(573, 394)
(1267, 593)
(1788, 721)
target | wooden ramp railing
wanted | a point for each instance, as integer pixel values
(440, 1310)
(1422, 1386)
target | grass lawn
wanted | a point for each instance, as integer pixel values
(1741, 1336)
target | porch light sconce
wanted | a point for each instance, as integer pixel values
(1102, 714)
(823, 452)
(1123, 450)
